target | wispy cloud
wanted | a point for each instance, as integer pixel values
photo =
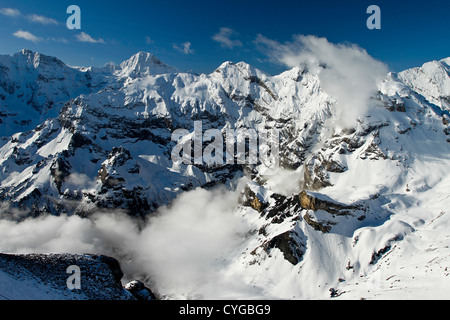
(84, 37)
(149, 40)
(224, 38)
(184, 47)
(42, 19)
(26, 35)
(10, 12)
(347, 72)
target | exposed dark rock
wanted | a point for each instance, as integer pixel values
(249, 199)
(289, 244)
(400, 106)
(283, 208)
(373, 152)
(21, 156)
(377, 255)
(445, 121)
(140, 291)
(60, 170)
(310, 202)
(316, 225)
(120, 155)
(447, 131)
(315, 177)
(78, 141)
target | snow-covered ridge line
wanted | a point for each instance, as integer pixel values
(34, 86)
(131, 110)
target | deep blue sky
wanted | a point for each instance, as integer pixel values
(412, 32)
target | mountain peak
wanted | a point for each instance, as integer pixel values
(230, 68)
(446, 61)
(37, 59)
(144, 63)
(26, 52)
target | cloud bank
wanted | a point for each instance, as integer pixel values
(180, 251)
(347, 72)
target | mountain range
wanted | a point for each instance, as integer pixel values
(352, 212)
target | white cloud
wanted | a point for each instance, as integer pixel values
(10, 12)
(346, 71)
(149, 40)
(182, 248)
(184, 47)
(26, 35)
(84, 37)
(41, 19)
(224, 38)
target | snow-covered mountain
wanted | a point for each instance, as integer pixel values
(34, 87)
(341, 217)
(112, 148)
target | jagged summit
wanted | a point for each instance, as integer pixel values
(37, 60)
(432, 80)
(144, 64)
(229, 68)
(34, 86)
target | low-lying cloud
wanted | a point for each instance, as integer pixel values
(347, 72)
(181, 250)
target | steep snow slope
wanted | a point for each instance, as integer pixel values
(33, 87)
(432, 81)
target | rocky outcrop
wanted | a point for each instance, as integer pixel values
(249, 198)
(140, 291)
(290, 244)
(311, 202)
(318, 226)
(100, 276)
